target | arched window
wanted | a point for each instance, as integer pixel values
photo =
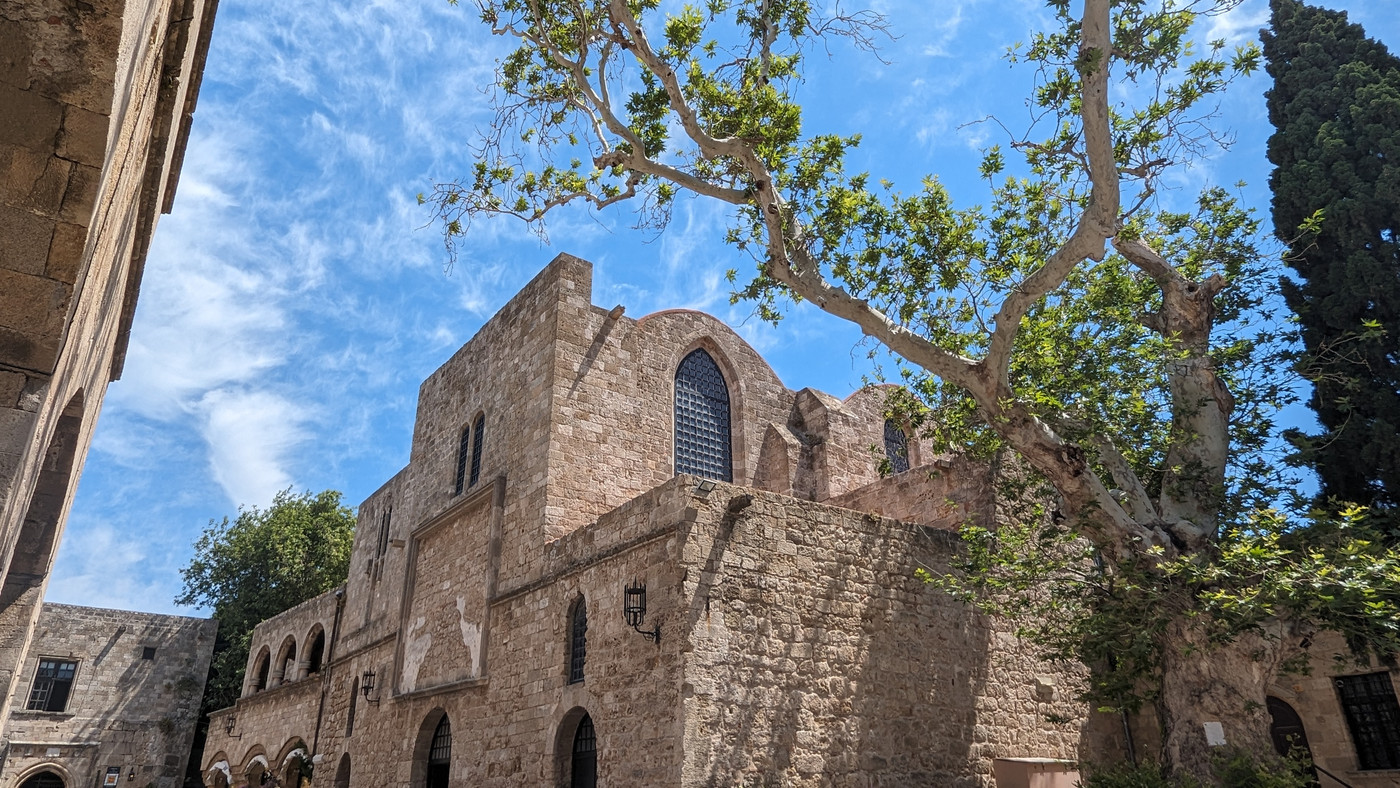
(287, 661)
(264, 664)
(43, 780)
(477, 429)
(316, 654)
(896, 447)
(463, 447)
(578, 640)
(583, 768)
(702, 419)
(440, 755)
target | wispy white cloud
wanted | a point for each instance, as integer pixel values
(251, 435)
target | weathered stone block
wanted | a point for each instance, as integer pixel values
(81, 195)
(11, 386)
(31, 179)
(66, 252)
(84, 136)
(24, 240)
(15, 53)
(30, 303)
(30, 120)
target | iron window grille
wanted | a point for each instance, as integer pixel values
(702, 419)
(463, 447)
(584, 771)
(53, 681)
(896, 447)
(578, 641)
(1374, 718)
(477, 429)
(440, 755)
(441, 750)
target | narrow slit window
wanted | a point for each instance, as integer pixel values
(578, 640)
(384, 520)
(477, 429)
(463, 447)
(702, 419)
(896, 447)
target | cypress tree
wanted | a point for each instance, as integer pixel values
(1335, 107)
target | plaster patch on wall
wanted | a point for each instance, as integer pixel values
(415, 649)
(471, 635)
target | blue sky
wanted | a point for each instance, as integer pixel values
(296, 296)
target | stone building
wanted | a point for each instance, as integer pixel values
(107, 697)
(623, 553)
(95, 106)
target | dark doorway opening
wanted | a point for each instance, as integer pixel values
(584, 767)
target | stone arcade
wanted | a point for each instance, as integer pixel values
(481, 638)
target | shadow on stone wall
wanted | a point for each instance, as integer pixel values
(819, 658)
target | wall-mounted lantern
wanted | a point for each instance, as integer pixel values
(367, 686)
(230, 722)
(634, 610)
(131, 776)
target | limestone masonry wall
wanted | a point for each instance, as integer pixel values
(125, 711)
(816, 657)
(96, 102)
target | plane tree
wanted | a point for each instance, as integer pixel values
(1108, 348)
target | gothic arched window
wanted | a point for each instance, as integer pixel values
(440, 755)
(702, 419)
(578, 640)
(896, 447)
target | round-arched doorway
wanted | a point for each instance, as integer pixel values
(583, 762)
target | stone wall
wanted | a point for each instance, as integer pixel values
(378, 565)
(1315, 698)
(125, 711)
(97, 100)
(946, 493)
(816, 657)
(796, 649)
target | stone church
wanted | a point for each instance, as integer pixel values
(623, 553)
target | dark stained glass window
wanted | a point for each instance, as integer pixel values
(463, 447)
(896, 447)
(702, 419)
(578, 640)
(477, 429)
(584, 769)
(53, 680)
(1374, 718)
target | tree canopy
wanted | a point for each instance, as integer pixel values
(259, 564)
(1103, 341)
(1335, 106)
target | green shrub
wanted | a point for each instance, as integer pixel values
(1233, 769)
